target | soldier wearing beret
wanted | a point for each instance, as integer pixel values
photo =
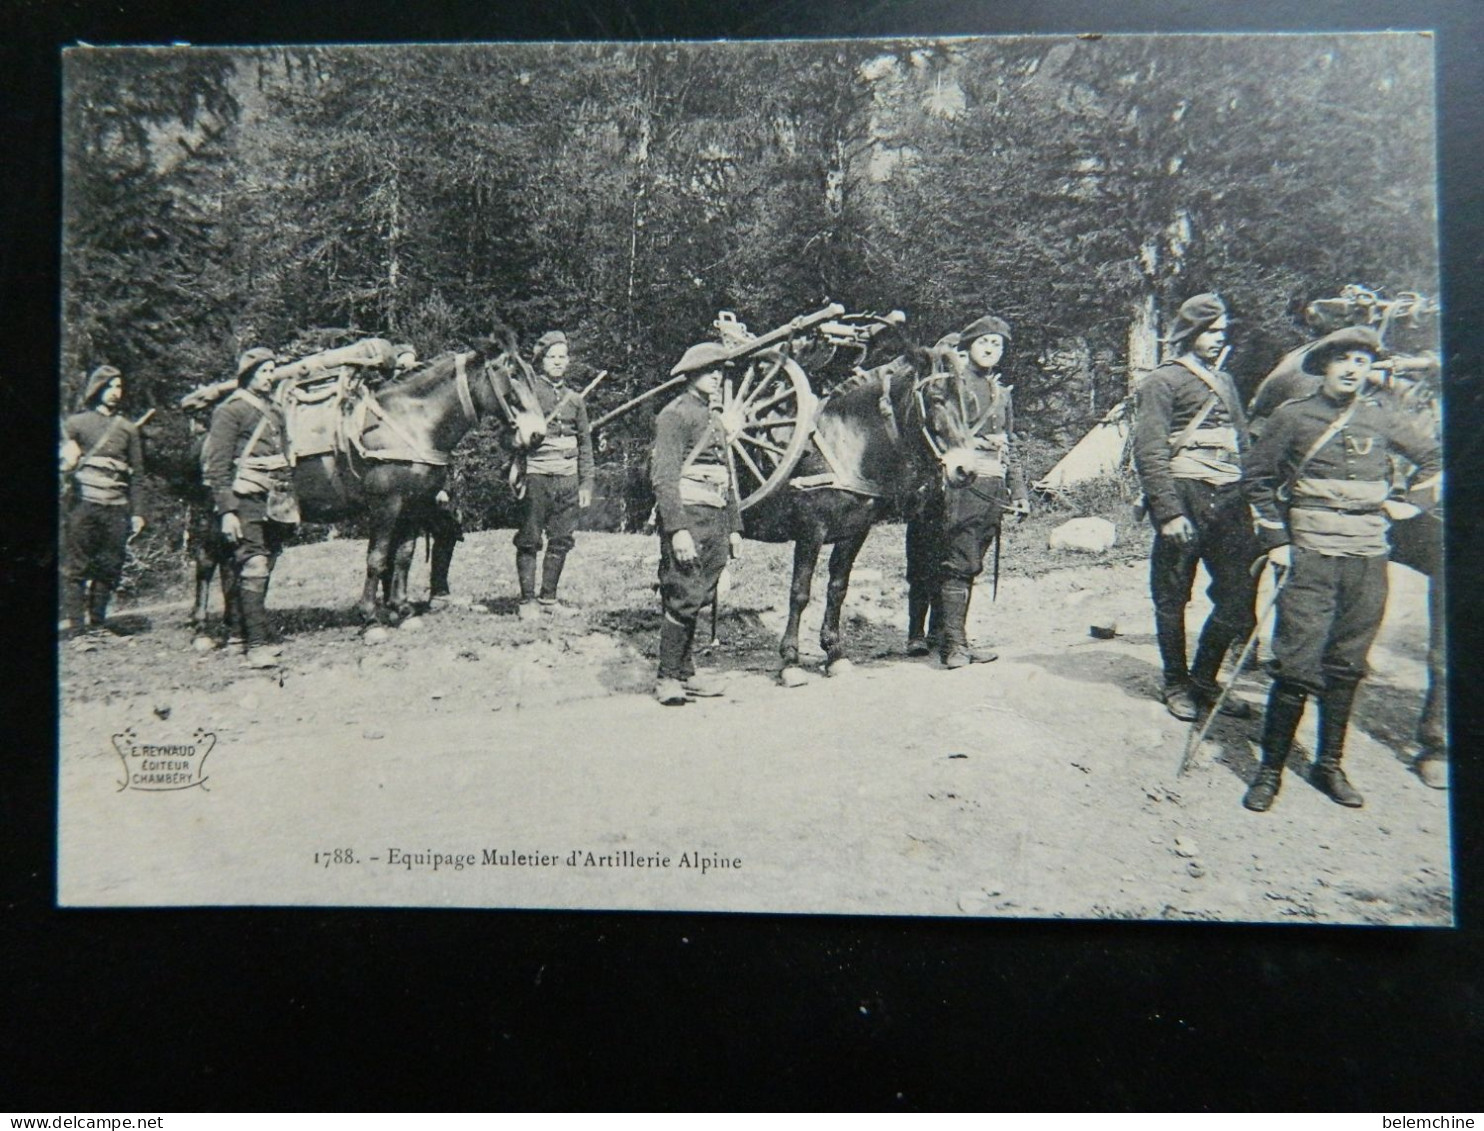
(102, 455)
(1189, 431)
(244, 463)
(1318, 481)
(699, 516)
(1416, 542)
(947, 539)
(559, 476)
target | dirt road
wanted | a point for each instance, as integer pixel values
(476, 760)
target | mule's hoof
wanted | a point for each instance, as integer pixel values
(918, 646)
(840, 667)
(793, 677)
(203, 644)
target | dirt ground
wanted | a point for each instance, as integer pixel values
(529, 759)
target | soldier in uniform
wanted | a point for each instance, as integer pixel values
(1318, 481)
(1189, 429)
(102, 453)
(1416, 542)
(947, 539)
(699, 517)
(559, 476)
(245, 466)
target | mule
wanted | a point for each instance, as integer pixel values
(881, 438)
(400, 438)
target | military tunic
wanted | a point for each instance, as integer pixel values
(1330, 510)
(240, 479)
(695, 493)
(557, 471)
(1200, 479)
(104, 494)
(948, 538)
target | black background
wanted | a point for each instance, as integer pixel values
(352, 1010)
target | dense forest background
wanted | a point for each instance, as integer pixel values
(1079, 187)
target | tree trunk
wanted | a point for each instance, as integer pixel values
(1143, 339)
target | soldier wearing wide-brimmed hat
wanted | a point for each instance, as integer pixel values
(1318, 481)
(1189, 433)
(948, 538)
(560, 476)
(245, 465)
(698, 512)
(103, 458)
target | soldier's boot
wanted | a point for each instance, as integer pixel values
(919, 601)
(1205, 668)
(674, 658)
(253, 594)
(1179, 698)
(74, 606)
(1280, 723)
(977, 655)
(525, 572)
(953, 601)
(100, 593)
(440, 557)
(232, 625)
(551, 575)
(1335, 706)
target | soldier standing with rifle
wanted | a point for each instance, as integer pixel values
(245, 465)
(102, 454)
(699, 516)
(947, 540)
(1189, 429)
(1318, 480)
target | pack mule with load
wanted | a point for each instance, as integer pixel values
(816, 471)
(385, 452)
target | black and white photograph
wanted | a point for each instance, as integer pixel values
(958, 476)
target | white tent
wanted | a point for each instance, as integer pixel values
(1103, 451)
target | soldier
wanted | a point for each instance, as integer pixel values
(699, 518)
(947, 540)
(102, 453)
(1416, 542)
(559, 477)
(1318, 481)
(245, 465)
(1189, 429)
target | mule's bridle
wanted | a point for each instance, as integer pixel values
(466, 398)
(919, 404)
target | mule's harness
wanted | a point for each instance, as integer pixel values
(412, 451)
(836, 478)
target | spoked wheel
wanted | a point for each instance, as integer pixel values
(768, 412)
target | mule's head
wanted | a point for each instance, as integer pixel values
(513, 386)
(938, 389)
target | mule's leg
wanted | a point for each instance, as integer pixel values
(385, 514)
(806, 557)
(842, 560)
(406, 543)
(205, 570)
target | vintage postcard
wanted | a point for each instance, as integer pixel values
(990, 476)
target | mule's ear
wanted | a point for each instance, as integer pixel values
(920, 358)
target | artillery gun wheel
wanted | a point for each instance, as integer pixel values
(769, 412)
